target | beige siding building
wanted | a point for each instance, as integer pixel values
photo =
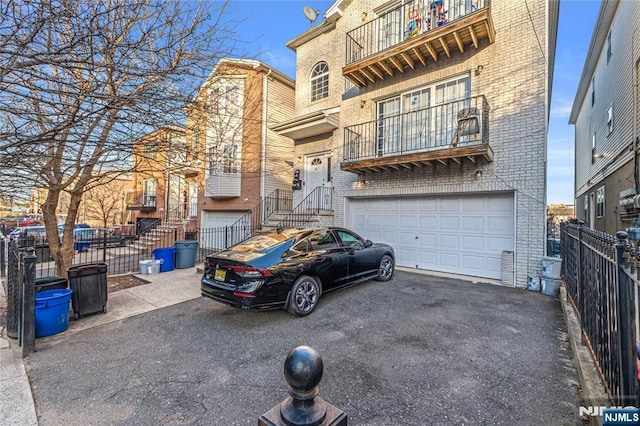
(242, 160)
(605, 115)
(428, 121)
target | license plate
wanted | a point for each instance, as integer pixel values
(220, 275)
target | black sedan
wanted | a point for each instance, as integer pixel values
(290, 269)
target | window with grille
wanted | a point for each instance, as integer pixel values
(320, 81)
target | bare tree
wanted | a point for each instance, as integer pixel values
(80, 80)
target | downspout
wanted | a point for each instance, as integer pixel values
(634, 71)
(265, 103)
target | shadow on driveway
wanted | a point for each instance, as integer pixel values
(413, 351)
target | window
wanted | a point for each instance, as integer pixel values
(600, 202)
(609, 53)
(149, 192)
(586, 207)
(224, 159)
(350, 240)
(593, 148)
(323, 240)
(593, 91)
(195, 139)
(151, 149)
(320, 81)
(610, 118)
(423, 118)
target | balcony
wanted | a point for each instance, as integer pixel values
(143, 201)
(445, 134)
(414, 34)
(223, 185)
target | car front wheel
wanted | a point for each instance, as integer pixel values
(304, 296)
(385, 270)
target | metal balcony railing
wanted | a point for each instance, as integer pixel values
(454, 124)
(405, 22)
(141, 199)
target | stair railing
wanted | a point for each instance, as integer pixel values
(321, 198)
(252, 221)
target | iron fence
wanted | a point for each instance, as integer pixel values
(602, 278)
(123, 256)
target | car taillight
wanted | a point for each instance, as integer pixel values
(250, 271)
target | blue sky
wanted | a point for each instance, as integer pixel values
(268, 25)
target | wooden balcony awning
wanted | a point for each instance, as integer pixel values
(446, 156)
(463, 32)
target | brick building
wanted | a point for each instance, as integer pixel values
(428, 120)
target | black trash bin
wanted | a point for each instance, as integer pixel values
(50, 283)
(89, 285)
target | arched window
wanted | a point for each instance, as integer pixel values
(320, 81)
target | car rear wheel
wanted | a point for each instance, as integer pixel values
(304, 296)
(385, 270)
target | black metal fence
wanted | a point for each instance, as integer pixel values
(601, 275)
(123, 255)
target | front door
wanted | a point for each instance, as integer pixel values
(316, 171)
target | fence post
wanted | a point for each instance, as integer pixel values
(3, 257)
(28, 329)
(626, 347)
(13, 290)
(303, 370)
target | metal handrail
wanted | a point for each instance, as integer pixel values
(321, 198)
(458, 123)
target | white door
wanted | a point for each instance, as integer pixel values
(193, 199)
(462, 234)
(316, 170)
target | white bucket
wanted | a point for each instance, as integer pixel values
(549, 286)
(144, 266)
(154, 266)
(551, 267)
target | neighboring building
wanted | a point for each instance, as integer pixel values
(605, 115)
(163, 179)
(102, 204)
(429, 121)
(242, 160)
(557, 214)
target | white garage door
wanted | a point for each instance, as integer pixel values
(458, 234)
(216, 231)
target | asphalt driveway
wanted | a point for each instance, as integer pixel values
(416, 350)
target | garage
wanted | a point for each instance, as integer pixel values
(461, 234)
(217, 230)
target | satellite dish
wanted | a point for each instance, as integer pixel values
(311, 14)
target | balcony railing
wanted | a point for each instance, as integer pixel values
(452, 130)
(412, 34)
(141, 201)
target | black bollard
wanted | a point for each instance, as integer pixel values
(303, 370)
(28, 329)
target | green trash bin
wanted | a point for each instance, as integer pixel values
(186, 253)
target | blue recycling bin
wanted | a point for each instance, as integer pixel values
(165, 254)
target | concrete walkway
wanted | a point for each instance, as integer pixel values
(165, 289)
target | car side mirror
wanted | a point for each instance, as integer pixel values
(368, 243)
